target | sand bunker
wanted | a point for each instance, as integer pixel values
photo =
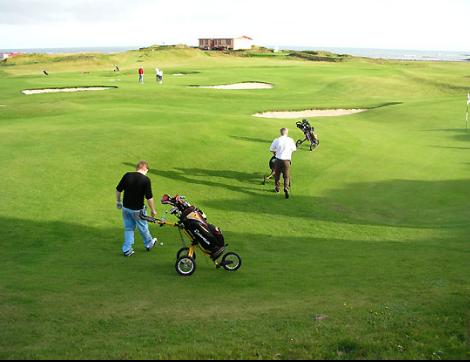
(64, 90)
(239, 86)
(178, 74)
(310, 113)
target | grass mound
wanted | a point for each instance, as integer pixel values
(319, 56)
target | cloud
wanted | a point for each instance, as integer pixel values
(340, 23)
(30, 12)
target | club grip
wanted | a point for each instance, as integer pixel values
(148, 218)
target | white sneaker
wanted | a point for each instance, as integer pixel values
(151, 244)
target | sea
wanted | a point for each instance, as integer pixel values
(396, 54)
(106, 50)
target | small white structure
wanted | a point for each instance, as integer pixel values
(240, 43)
(4, 56)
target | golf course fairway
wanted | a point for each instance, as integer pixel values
(369, 258)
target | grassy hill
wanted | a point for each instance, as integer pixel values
(368, 259)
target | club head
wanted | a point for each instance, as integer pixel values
(166, 199)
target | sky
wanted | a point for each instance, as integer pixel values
(381, 24)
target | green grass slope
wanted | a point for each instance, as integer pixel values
(368, 259)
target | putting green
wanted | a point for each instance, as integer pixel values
(368, 259)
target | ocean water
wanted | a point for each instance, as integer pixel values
(106, 50)
(397, 54)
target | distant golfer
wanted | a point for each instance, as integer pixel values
(141, 75)
(282, 148)
(159, 74)
(136, 186)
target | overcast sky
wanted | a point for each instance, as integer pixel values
(386, 24)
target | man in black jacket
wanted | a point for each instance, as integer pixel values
(136, 186)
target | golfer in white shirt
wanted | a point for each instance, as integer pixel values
(159, 74)
(282, 148)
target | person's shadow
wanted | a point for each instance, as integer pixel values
(238, 180)
(252, 139)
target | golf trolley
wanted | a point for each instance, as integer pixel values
(192, 223)
(272, 163)
(309, 133)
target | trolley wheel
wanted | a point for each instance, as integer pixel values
(314, 145)
(185, 266)
(231, 262)
(299, 143)
(184, 252)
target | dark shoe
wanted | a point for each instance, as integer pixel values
(286, 192)
(129, 253)
(276, 191)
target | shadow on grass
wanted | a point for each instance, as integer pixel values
(253, 139)
(459, 134)
(388, 104)
(74, 252)
(63, 291)
(451, 148)
(399, 203)
(52, 258)
(198, 176)
(56, 241)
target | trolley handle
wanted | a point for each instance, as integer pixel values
(150, 219)
(162, 222)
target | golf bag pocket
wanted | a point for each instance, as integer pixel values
(218, 235)
(207, 236)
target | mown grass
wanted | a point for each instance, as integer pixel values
(368, 259)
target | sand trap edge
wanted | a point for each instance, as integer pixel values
(66, 89)
(309, 113)
(237, 86)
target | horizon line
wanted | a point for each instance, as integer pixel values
(286, 47)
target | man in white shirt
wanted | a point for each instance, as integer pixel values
(282, 148)
(159, 74)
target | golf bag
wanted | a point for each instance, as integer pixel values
(194, 222)
(309, 133)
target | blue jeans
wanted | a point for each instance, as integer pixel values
(131, 221)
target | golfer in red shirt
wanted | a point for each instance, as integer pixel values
(141, 75)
